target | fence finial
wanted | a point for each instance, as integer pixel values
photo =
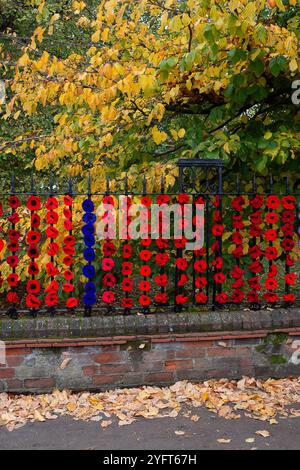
(12, 183)
(51, 184)
(238, 185)
(162, 183)
(144, 185)
(271, 182)
(31, 183)
(89, 184)
(254, 183)
(70, 186)
(126, 184)
(107, 184)
(287, 185)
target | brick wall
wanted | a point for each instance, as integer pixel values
(101, 363)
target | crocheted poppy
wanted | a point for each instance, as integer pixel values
(89, 299)
(51, 232)
(271, 283)
(144, 300)
(109, 249)
(51, 269)
(32, 301)
(217, 230)
(270, 234)
(287, 244)
(161, 298)
(272, 217)
(14, 202)
(289, 297)
(127, 285)
(161, 258)
(51, 203)
(221, 298)
(237, 203)
(181, 299)
(162, 199)
(52, 249)
(67, 213)
(68, 274)
(33, 286)
(144, 286)
(146, 201)
(88, 229)
(180, 242)
(218, 263)
(238, 283)
(255, 251)
(33, 252)
(273, 271)
(219, 278)
(127, 251)
(35, 221)
(32, 237)
(12, 260)
(88, 205)
(288, 217)
(33, 269)
(290, 279)
(109, 280)
(161, 280)
(271, 253)
(107, 264)
(70, 250)
(237, 296)
(13, 235)
(89, 271)
(145, 270)
(68, 201)
(12, 297)
(255, 267)
(237, 272)
(289, 260)
(181, 264)
(14, 218)
(183, 198)
(201, 298)
(51, 217)
(273, 202)
(89, 254)
(200, 282)
(34, 203)
(162, 243)
(126, 268)
(253, 297)
(89, 288)
(256, 218)
(146, 241)
(1, 244)
(127, 302)
(257, 201)
(145, 255)
(89, 240)
(12, 279)
(270, 297)
(108, 297)
(13, 247)
(237, 238)
(52, 288)
(200, 266)
(237, 222)
(71, 302)
(288, 202)
(51, 300)
(68, 287)
(68, 225)
(89, 218)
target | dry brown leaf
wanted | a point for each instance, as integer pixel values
(250, 440)
(195, 418)
(179, 433)
(106, 423)
(263, 433)
(65, 362)
(224, 441)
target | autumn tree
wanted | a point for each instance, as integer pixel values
(143, 82)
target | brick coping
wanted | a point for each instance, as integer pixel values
(67, 331)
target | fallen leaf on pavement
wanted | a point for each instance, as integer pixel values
(224, 441)
(263, 433)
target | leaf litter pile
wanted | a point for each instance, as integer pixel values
(264, 400)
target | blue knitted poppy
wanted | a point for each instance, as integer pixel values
(89, 254)
(87, 229)
(88, 205)
(88, 271)
(89, 240)
(89, 218)
(89, 299)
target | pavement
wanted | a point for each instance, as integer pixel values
(179, 433)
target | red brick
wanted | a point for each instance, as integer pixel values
(39, 383)
(159, 377)
(90, 370)
(221, 352)
(14, 384)
(115, 368)
(184, 364)
(108, 357)
(14, 360)
(6, 373)
(106, 379)
(244, 351)
(17, 351)
(190, 353)
(197, 344)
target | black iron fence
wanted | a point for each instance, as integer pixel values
(53, 260)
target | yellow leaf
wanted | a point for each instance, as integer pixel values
(158, 136)
(181, 133)
(293, 65)
(96, 36)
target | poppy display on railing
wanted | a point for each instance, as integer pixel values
(54, 259)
